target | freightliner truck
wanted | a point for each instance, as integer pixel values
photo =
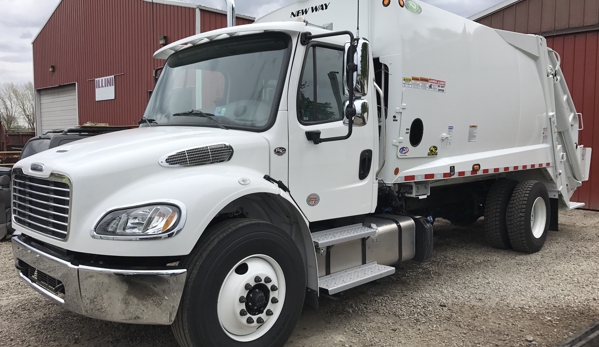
(302, 155)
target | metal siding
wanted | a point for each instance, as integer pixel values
(534, 19)
(562, 14)
(591, 12)
(548, 15)
(522, 16)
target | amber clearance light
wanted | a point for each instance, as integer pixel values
(476, 167)
(386, 3)
(402, 3)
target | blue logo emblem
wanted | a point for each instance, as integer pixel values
(404, 150)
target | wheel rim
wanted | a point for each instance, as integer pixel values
(251, 298)
(538, 218)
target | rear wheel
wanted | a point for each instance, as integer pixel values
(528, 216)
(245, 287)
(495, 224)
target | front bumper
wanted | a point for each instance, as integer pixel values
(125, 296)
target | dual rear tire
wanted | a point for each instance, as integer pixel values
(517, 215)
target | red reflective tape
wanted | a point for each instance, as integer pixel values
(524, 167)
(540, 165)
(473, 173)
(506, 169)
(410, 178)
(446, 175)
(515, 168)
(429, 176)
(548, 164)
(533, 166)
(496, 170)
(485, 171)
(462, 173)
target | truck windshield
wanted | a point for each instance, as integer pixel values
(233, 83)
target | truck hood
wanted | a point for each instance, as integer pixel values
(135, 153)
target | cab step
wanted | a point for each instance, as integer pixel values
(354, 277)
(335, 236)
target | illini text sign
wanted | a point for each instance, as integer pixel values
(105, 88)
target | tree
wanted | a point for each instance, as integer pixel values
(8, 106)
(24, 98)
(16, 102)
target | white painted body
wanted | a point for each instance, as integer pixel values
(501, 89)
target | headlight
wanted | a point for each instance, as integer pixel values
(149, 221)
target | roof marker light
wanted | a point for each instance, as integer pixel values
(402, 3)
(386, 3)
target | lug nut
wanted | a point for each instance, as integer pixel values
(243, 313)
(267, 280)
(260, 320)
(274, 300)
(257, 279)
(269, 313)
(248, 286)
(250, 320)
(274, 288)
(242, 299)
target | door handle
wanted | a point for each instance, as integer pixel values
(365, 164)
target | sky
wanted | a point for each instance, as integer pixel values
(21, 20)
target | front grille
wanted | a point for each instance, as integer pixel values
(41, 204)
(219, 153)
(42, 279)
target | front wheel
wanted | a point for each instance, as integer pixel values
(245, 287)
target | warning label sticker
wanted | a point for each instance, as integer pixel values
(424, 83)
(472, 133)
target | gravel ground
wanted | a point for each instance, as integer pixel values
(468, 294)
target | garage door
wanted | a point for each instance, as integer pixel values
(59, 108)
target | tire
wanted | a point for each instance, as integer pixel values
(495, 223)
(528, 216)
(232, 256)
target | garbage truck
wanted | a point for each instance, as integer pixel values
(302, 155)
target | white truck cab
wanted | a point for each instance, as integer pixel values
(307, 153)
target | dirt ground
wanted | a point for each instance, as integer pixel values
(468, 294)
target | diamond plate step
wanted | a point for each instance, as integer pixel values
(354, 277)
(344, 234)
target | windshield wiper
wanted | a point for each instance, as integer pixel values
(198, 113)
(148, 121)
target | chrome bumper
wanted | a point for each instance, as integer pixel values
(125, 296)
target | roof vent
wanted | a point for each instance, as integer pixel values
(212, 154)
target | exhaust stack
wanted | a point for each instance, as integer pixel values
(230, 13)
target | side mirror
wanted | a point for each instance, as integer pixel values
(157, 73)
(359, 78)
(361, 116)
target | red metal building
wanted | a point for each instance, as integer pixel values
(93, 59)
(572, 29)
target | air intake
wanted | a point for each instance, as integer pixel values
(213, 154)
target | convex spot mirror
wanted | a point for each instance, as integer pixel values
(358, 80)
(361, 117)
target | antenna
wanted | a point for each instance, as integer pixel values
(358, 29)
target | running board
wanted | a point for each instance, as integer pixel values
(354, 277)
(335, 236)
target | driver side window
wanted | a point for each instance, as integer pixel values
(320, 98)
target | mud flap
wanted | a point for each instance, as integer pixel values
(424, 239)
(554, 218)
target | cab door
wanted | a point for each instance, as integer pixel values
(330, 179)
